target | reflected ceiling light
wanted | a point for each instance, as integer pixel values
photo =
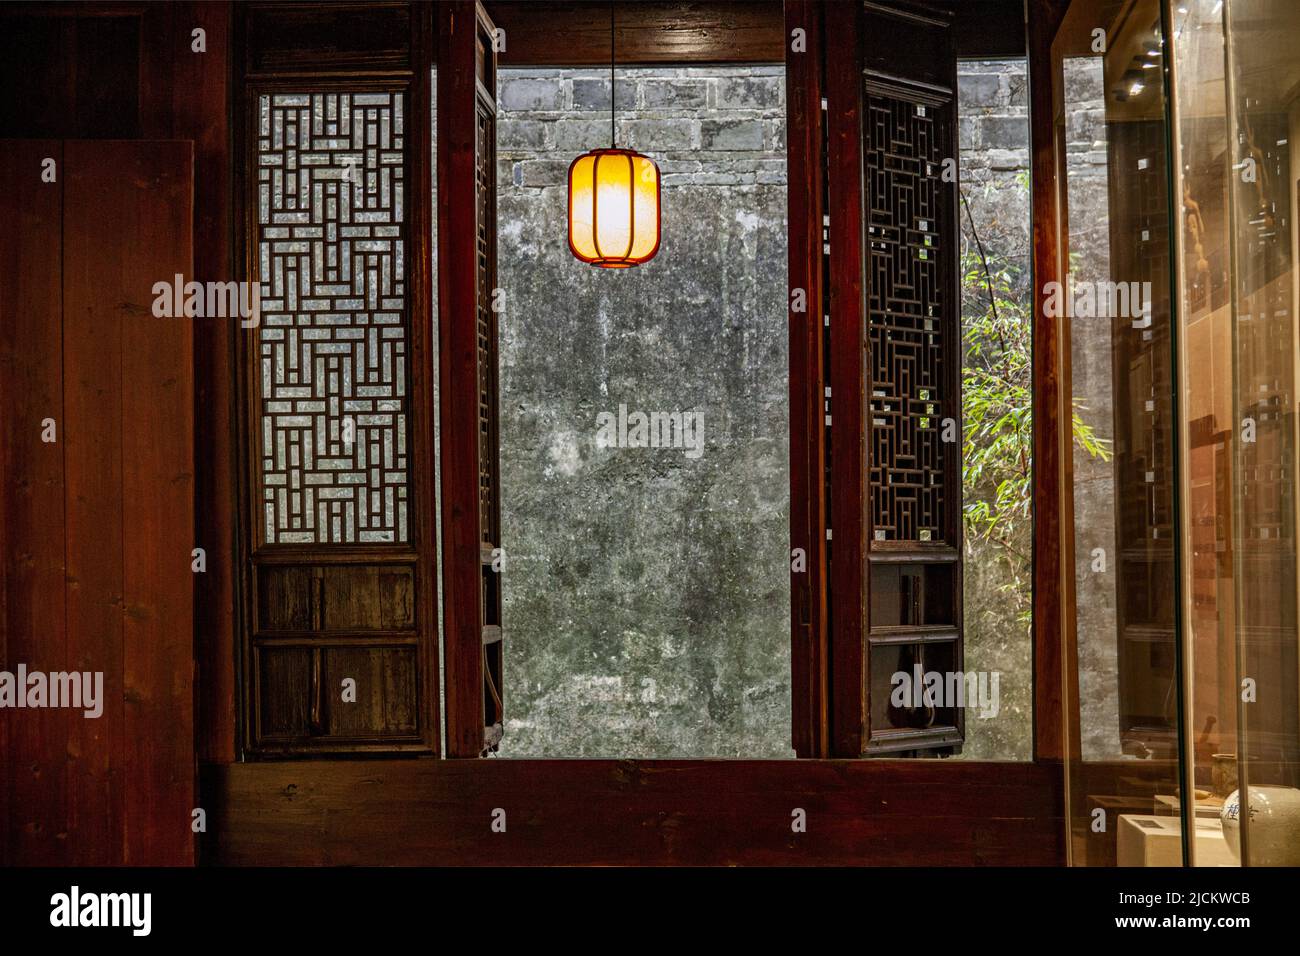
(613, 199)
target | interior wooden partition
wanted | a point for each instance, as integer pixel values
(439, 811)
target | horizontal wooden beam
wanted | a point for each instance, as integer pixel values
(605, 812)
(549, 33)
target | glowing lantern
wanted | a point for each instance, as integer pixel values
(614, 208)
(613, 199)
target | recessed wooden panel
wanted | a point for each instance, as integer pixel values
(367, 597)
(309, 38)
(342, 597)
(284, 691)
(284, 598)
(385, 691)
(911, 26)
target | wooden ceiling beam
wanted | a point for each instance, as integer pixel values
(547, 33)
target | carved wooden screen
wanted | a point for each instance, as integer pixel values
(335, 657)
(489, 479)
(912, 382)
(332, 357)
(339, 652)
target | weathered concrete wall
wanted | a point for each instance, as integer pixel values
(994, 141)
(646, 591)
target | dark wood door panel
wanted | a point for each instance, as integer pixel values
(34, 631)
(107, 508)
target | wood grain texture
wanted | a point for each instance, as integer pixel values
(33, 743)
(601, 812)
(805, 160)
(1048, 581)
(549, 33)
(308, 38)
(459, 381)
(201, 111)
(97, 304)
(101, 522)
(127, 224)
(844, 97)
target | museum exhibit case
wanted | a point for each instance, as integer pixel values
(1175, 131)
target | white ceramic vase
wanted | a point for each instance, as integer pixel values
(1274, 825)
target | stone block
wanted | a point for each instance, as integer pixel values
(650, 135)
(519, 93)
(593, 94)
(731, 134)
(674, 94)
(1004, 132)
(750, 93)
(520, 134)
(978, 90)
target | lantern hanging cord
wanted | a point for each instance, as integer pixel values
(612, 139)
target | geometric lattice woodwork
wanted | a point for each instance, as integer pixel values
(485, 255)
(332, 340)
(907, 331)
(489, 475)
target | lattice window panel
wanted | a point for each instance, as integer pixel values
(331, 256)
(485, 236)
(906, 327)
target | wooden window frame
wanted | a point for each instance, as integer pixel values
(650, 811)
(286, 73)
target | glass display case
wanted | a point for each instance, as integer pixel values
(1176, 126)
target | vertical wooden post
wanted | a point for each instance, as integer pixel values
(805, 152)
(462, 55)
(844, 96)
(1049, 419)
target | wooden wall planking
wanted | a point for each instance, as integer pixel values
(125, 70)
(564, 33)
(101, 530)
(152, 209)
(33, 795)
(94, 273)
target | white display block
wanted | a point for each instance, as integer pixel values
(1157, 841)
